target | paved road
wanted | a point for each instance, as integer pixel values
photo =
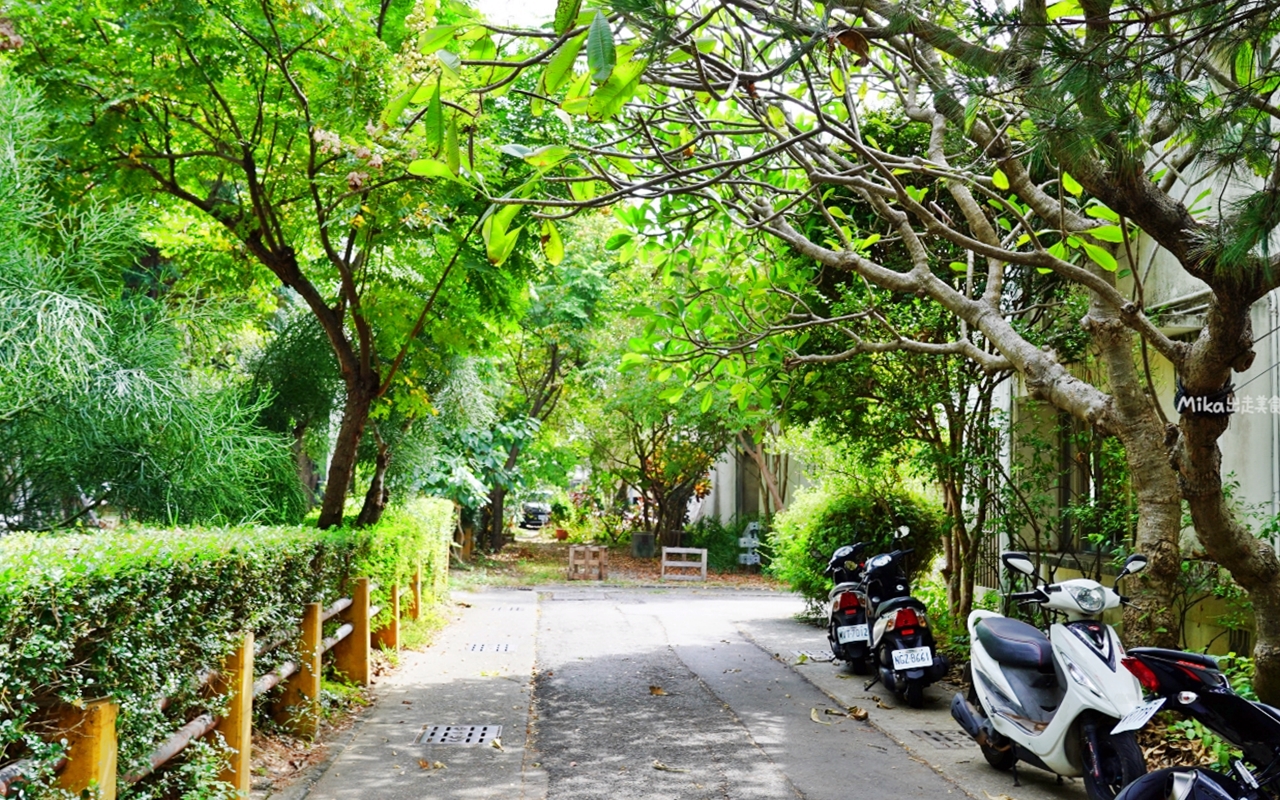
(729, 719)
(649, 694)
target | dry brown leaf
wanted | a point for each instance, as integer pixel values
(657, 691)
(424, 764)
(991, 796)
(859, 714)
(813, 715)
(881, 704)
(855, 42)
(659, 765)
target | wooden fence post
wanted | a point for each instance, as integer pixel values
(416, 612)
(388, 635)
(90, 732)
(351, 655)
(299, 707)
(236, 680)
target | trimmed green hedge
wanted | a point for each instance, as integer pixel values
(137, 615)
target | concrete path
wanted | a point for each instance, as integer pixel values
(651, 693)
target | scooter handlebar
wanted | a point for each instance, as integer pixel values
(1033, 596)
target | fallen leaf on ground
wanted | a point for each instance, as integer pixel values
(800, 659)
(657, 691)
(842, 676)
(858, 713)
(659, 765)
(813, 715)
(833, 712)
(997, 796)
(497, 744)
(881, 704)
(425, 764)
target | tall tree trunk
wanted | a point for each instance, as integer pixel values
(672, 511)
(342, 464)
(375, 499)
(1159, 504)
(496, 518)
(1251, 561)
(304, 464)
(767, 478)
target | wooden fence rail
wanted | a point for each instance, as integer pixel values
(89, 728)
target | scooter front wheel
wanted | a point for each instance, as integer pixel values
(1111, 761)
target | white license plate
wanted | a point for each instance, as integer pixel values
(852, 633)
(1138, 717)
(913, 658)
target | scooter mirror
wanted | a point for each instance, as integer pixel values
(1019, 562)
(1135, 563)
(902, 532)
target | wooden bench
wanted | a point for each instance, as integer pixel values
(682, 562)
(588, 562)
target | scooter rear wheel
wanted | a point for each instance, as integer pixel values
(914, 694)
(1119, 758)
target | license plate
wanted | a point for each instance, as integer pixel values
(913, 658)
(852, 633)
(1138, 717)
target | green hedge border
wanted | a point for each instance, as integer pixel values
(136, 615)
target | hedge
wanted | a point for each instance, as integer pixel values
(137, 615)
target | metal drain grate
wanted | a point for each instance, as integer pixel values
(457, 734)
(946, 740)
(488, 647)
(507, 608)
(814, 655)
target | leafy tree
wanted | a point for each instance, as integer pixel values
(273, 122)
(1056, 134)
(97, 406)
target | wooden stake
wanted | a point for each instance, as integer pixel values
(388, 635)
(90, 732)
(299, 707)
(416, 612)
(236, 680)
(351, 655)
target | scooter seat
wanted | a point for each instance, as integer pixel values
(841, 588)
(894, 603)
(1199, 659)
(1015, 643)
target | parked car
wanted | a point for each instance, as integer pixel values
(535, 512)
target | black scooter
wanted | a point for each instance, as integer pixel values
(902, 645)
(1192, 685)
(847, 629)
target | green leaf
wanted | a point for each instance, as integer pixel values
(837, 212)
(582, 191)
(777, 119)
(617, 240)
(707, 399)
(837, 80)
(430, 168)
(631, 360)
(609, 98)
(672, 394)
(517, 150)
(548, 156)
(436, 38)
(450, 63)
(1243, 63)
(1071, 185)
(391, 115)
(1000, 180)
(959, 266)
(433, 121)
(1107, 233)
(566, 14)
(452, 155)
(1101, 257)
(1102, 212)
(552, 244)
(601, 55)
(560, 68)
(576, 99)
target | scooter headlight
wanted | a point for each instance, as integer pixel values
(1090, 599)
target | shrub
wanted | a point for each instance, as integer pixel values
(822, 521)
(137, 615)
(721, 541)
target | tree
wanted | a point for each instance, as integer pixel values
(1057, 134)
(555, 339)
(97, 405)
(273, 122)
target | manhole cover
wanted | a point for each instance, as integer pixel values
(946, 740)
(814, 656)
(486, 647)
(457, 734)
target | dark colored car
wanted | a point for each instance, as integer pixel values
(536, 511)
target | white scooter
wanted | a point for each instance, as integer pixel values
(1053, 702)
